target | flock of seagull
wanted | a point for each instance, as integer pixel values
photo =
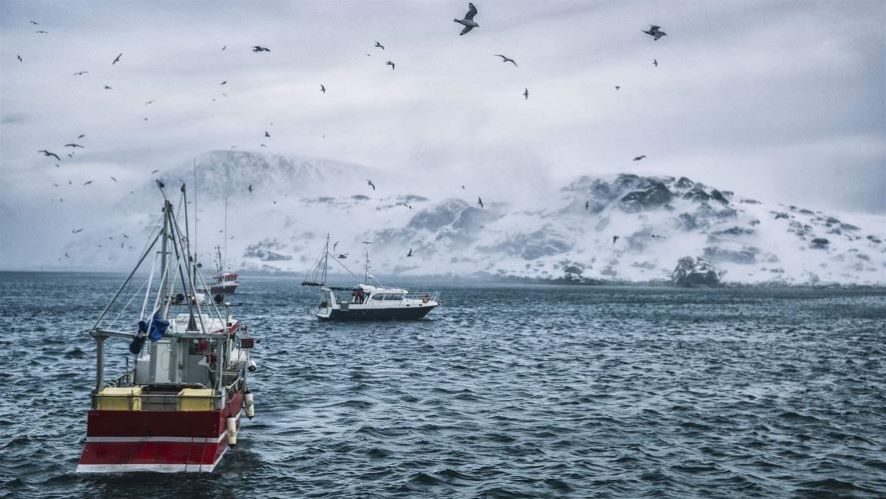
(468, 22)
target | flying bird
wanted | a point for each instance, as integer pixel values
(379, 45)
(410, 253)
(76, 231)
(322, 88)
(267, 134)
(49, 154)
(392, 65)
(73, 145)
(81, 136)
(257, 48)
(505, 58)
(263, 145)
(155, 171)
(249, 188)
(525, 94)
(587, 205)
(87, 182)
(70, 155)
(342, 256)
(334, 245)
(224, 82)
(112, 178)
(149, 102)
(655, 62)
(108, 87)
(224, 47)
(19, 58)
(117, 59)
(42, 32)
(369, 182)
(480, 201)
(160, 183)
(35, 23)
(80, 73)
(468, 22)
(614, 239)
(638, 158)
(655, 31)
(66, 255)
(617, 87)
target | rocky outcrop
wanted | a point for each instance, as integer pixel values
(691, 272)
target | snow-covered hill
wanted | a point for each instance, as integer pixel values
(615, 228)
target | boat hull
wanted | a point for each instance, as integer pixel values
(157, 441)
(376, 314)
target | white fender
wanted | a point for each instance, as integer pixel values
(250, 405)
(232, 431)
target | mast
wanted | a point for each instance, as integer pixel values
(167, 206)
(325, 260)
(366, 269)
(196, 253)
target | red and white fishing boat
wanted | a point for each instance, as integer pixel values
(178, 409)
(226, 283)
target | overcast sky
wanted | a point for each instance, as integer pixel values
(783, 101)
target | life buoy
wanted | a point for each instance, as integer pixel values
(426, 298)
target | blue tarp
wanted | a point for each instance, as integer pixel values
(157, 329)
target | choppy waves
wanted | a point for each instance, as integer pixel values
(504, 392)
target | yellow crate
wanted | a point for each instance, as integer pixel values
(114, 398)
(196, 399)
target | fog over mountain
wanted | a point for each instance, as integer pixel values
(620, 228)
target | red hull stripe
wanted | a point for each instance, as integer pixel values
(152, 467)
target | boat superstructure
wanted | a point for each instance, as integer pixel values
(367, 301)
(177, 406)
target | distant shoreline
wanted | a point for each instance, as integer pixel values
(480, 280)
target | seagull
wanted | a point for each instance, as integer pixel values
(334, 245)
(224, 82)
(655, 62)
(617, 87)
(160, 183)
(267, 134)
(614, 239)
(505, 58)
(117, 59)
(73, 145)
(42, 32)
(342, 256)
(468, 22)
(48, 153)
(249, 188)
(480, 201)
(379, 45)
(155, 171)
(108, 87)
(322, 88)
(66, 255)
(70, 155)
(392, 65)
(19, 58)
(76, 231)
(149, 102)
(35, 23)
(87, 182)
(638, 158)
(263, 145)
(80, 73)
(410, 252)
(112, 178)
(587, 205)
(525, 94)
(257, 48)
(655, 31)
(224, 47)
(462, 186)
(369, 182)
(81, 136)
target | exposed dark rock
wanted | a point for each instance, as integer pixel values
(749, 201)
(265, 251)
(360, 197)
(692, 272)
(849, 227)
(687, 222)
(779, 214)
(807, 212)
(734, 231)
(718, 196)
(874, 239)
(543, 242)
(696, 194)
(684, 183)
(820, 243)
(655, 196)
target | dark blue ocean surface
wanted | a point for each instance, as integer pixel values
(503, 392)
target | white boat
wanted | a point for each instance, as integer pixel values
(367, 301)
